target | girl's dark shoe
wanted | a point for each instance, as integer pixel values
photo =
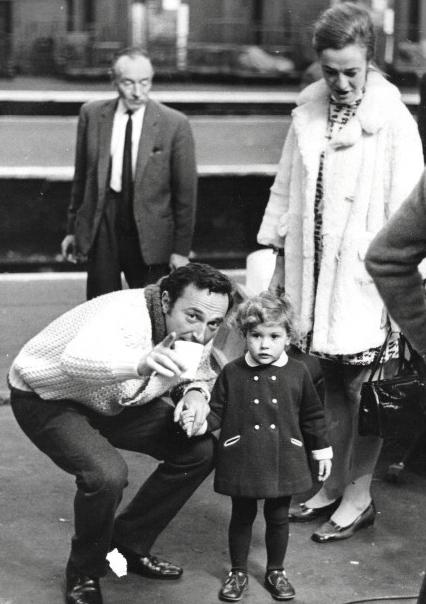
(330, 531)
(278, 585)
(234, 586)
(303, 513)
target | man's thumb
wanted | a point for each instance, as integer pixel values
(169, 340)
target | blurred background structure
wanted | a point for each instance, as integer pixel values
(191, 38)
(234, 67)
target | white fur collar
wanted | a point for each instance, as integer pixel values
(373, 113)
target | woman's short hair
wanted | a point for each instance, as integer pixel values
(265, 308)
(342, 25)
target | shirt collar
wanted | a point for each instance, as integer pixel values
(280, 362)
(122, 109)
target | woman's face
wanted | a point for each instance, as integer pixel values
(345, 71)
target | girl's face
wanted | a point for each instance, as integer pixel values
(266, 342)
(345, 71)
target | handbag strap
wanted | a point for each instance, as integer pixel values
(412, 361)
(378, 358)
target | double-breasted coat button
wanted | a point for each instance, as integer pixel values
(273, 426)
(275, 401)
(273, 378)
(256, 427)
(256, 401)
(256, 377)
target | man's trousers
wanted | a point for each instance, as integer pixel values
(84, 444)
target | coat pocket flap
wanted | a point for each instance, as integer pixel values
(231, 441)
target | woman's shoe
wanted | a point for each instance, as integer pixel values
(330, 531)
(306, 514)
(235, 585)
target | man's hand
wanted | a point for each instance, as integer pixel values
(192, 405)
(162, 359)
(176, 260)
(324, 469)
(68, 248)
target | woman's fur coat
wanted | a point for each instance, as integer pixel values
(370, 167)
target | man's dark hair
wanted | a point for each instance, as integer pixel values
(202, 276)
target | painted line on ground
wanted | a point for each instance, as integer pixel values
(180, 96)
(238, 273)
(66, 173)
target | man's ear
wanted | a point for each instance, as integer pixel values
(165, 302)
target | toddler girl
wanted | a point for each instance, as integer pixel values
(270, 416)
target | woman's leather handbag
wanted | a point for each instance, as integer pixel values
(387, 404)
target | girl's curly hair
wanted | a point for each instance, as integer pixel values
(265, 308)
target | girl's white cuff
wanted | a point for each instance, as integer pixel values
(320, 454)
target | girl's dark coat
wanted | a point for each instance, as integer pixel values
(271, 417)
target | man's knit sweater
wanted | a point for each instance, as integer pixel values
(91, 353)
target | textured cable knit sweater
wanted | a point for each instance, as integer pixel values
(91, 353)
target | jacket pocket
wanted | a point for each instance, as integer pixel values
(231, 441)
(296, 441)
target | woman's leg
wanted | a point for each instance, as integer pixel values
(244, 511)
(276, 534)
(340, 430)
(354, 457)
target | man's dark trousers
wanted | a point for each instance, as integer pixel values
(83, 443)
(116, 250)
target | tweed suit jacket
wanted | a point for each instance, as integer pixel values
(165, 180)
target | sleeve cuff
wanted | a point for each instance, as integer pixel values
(319, 454)
(200, 387)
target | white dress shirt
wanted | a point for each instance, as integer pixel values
(117, 141)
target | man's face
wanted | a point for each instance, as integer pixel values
(196, 315)
(133, 80)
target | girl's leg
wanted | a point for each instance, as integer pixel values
(276, 534)
(244, 511)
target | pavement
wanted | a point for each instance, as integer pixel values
(381, 562)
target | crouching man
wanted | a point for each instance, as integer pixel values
(99, 379)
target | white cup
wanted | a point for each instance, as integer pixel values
(190, 355)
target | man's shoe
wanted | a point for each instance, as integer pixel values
(149, 566)
(234, 586)
(330, 531)
(81, 589)
(303, 513)
(278, 585)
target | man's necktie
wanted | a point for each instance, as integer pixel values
(126, 213)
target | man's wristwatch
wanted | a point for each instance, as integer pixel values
(197, 389)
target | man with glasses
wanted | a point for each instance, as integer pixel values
(133, 199)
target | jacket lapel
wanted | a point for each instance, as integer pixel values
(105, 131)
(147, 140)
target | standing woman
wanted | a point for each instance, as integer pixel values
(352, 154)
